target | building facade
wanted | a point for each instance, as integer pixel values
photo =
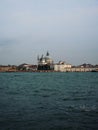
(62, 66)
(45, 62)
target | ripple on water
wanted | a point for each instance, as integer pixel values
(82, 108)
(46, 101)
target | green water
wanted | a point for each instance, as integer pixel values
(49, 101)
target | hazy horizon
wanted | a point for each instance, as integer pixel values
(68, 29)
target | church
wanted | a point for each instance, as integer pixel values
(45, 62)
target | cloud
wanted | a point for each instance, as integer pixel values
(61, 26)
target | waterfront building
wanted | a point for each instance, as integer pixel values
(5, 68)
(62, 66)
(27, 67)
(45, 62)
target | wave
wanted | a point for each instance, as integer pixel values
(83, 108)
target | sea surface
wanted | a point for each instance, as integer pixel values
(49, 101)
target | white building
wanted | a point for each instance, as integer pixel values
(62, 66)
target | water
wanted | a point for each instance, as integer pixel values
(49, 101)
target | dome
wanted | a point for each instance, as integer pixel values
(45, 60)
(48, 60)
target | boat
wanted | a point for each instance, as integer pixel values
(94, 70)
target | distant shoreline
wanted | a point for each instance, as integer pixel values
(67, 70)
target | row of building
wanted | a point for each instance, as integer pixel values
(46, 63)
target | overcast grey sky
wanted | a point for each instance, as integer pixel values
(68, 29)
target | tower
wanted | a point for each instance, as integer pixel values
(47, 54)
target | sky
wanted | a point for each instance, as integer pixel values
(67, 29)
